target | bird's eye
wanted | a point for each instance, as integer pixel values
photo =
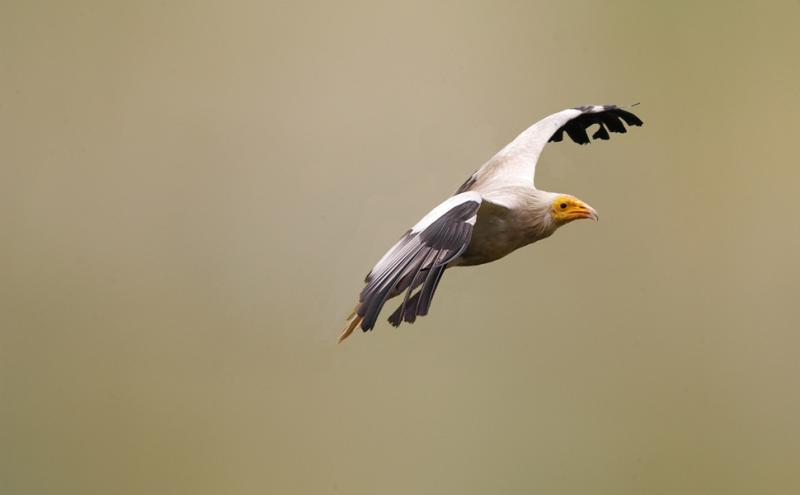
(563, 205)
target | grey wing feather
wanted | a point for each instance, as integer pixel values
(418, 259)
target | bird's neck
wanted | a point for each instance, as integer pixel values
(540, 204)
(529, 210)
(534, 214)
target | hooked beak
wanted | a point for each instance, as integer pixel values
(585, 211)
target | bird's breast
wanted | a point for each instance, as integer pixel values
(499, 231)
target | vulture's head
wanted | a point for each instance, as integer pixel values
(565, 208)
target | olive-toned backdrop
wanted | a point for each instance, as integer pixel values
(191, 194)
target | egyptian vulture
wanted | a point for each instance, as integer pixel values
(495, 211)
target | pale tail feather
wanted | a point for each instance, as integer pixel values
(352, 322)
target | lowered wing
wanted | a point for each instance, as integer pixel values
(417, 260)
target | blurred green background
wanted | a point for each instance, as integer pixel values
(191, 194)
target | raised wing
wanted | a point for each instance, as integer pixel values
(516, 163)
(417, 260)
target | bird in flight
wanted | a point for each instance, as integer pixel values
(495, 211)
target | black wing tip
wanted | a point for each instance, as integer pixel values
(601, 133)
(609, 118)
(629, 117)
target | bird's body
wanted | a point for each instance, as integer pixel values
(502, 227)
(495, 212)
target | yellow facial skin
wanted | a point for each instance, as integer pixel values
(568, 208)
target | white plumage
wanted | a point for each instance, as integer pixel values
(444, 207)
(496, 211)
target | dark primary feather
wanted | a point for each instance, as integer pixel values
(417, 260)
(610, 119)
